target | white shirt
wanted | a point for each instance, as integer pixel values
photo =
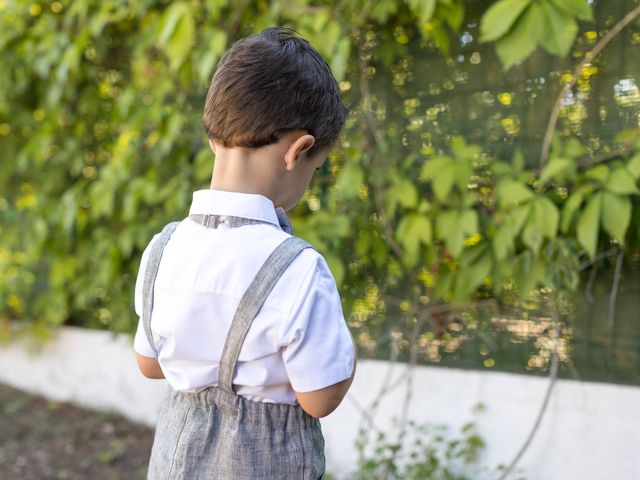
(298, 341)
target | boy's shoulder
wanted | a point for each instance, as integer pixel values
(308, 262)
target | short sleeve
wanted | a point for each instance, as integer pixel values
(318, 350)
(140, 341)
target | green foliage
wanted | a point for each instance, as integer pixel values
(423, 452)
(102, 145)
(519, 26)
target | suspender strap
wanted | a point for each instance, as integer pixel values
(150, 278)
(250, 305)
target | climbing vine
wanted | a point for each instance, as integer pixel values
(102, 144)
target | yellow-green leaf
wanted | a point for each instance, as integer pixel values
(589, 225)
(559, 30)
(499, 18)
(555, 168)
(519, 43)
(616, 215)
(413, 230)
(634, 166)
(576, 8)
(620, 181)
(511, 192)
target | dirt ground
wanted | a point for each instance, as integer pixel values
(43, 439)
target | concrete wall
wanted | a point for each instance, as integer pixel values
(590, 430)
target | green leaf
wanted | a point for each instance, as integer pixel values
(634, 166)
(413, 230)
(548, 217)
(443, 182)
(178, 34)
(528, 273)
(589, 225)
(559, 30)
(499, 18)
(382, 10)
(434, 165)
(336, 266)
(407, 193)
(511, 192)
(463, 172)
(463, 150)
(471, 276)
(555, 168)
(423, 9)
(469, 221)
(349, 181)
(402, 192)
(599, 173)
(573, 148)
(520, 42)
(453, 225)
(616, 215)
(575, 8)
(323, 222)
(620, 181)
(509, 230)
(439, 34)
(340, 58)
(452, 13)
(518, 161)
(570, 208)
(169, 22)
(216, 43)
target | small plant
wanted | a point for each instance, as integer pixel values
(423, 452)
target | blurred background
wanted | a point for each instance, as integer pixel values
(480, 214)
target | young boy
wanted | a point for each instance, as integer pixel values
(253, 350)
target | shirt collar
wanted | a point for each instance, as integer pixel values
(235, 204)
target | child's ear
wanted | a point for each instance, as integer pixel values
(212, 144)
(296, 149)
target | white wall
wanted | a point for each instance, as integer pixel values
(590, 430)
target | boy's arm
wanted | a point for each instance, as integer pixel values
(149, 366)
(320, 352)
(320, 403)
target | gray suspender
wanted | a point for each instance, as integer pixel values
(150, 278)
(249, 305)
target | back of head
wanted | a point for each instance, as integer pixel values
(268, 84)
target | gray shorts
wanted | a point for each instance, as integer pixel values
(214, 434)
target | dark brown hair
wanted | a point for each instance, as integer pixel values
(268, 84)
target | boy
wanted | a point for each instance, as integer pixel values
(272, 113)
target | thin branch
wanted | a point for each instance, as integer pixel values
(600, 256)
(614, 288)
(553, 376)
(369, 412)
(612, 155)
(588, 289)
(413, 360)
(589, 56)
(443, 307)
(375, 131)
(575, 374)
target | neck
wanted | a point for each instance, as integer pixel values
(245, 170)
